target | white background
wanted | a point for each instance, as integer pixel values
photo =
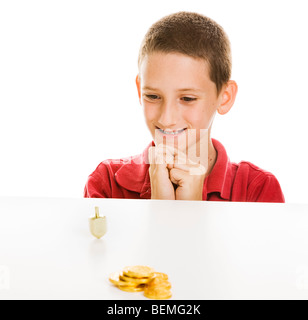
(68, 98)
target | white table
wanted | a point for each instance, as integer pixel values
(210, 250)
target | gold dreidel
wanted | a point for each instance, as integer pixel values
(98, 226)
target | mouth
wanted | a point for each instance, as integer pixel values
(171, 132)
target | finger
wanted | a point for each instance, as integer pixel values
(178, 156)
(177, 175)
(192, 169)
(183, 167)
(158, 155)
(175, 151)
(166, 148)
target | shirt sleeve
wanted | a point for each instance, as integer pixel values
(98, 183)
(265, 188)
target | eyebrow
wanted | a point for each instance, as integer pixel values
(189, 89)
(179, 90)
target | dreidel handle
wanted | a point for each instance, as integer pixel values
(96, 212)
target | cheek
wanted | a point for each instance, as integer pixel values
(207, 118)
(201, 118)
(207, 114)
(150, 113)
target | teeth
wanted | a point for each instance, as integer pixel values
(171, 132)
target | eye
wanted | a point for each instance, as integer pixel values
(188, 99)
(152, 96)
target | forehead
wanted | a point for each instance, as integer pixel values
(174, 70)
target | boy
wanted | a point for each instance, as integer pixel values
(184, 79)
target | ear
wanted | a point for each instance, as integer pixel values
(228, 95)
(138, 84)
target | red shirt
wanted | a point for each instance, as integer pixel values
(129, 178)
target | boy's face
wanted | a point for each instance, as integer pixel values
(177, 94)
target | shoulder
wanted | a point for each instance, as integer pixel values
(99, 182)
(242, 181)
(110, 166)
(105, 170)
(262, 185)
(250, 170)
(112, 176)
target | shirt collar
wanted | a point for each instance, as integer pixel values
(134, 174)
(220, 178)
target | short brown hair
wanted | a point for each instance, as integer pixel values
(194, 35)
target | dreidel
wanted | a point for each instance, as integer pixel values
(98, 226)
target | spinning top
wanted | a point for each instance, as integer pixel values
(98, 226)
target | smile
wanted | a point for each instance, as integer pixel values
(171, 132)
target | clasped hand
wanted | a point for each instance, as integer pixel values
(173, 175)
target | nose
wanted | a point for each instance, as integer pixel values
(168, 114)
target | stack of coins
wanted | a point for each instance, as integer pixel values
(159, 287)
(142, 278)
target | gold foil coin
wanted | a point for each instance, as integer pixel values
(157, 293)
(131, 289)
(135, 280)
(138, 272)
(115, 279)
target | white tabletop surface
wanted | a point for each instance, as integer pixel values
(210, 250)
